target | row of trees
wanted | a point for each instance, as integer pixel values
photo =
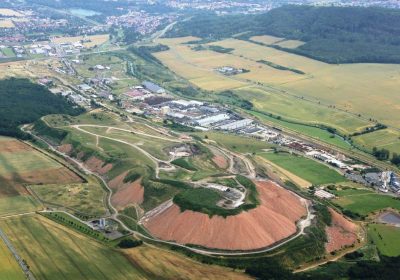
(384, 154)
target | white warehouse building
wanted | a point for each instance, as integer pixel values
(212, 119)
(235, 124)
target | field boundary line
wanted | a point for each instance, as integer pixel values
(21, 262)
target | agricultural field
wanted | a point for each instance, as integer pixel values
(266, 39)
(20, 164)
(162, 264)
(363, 201)
(290, 44)
(336, 85)
(305, 112)
(9, 269)
(281, 42)
(386, 238)
(308, 169)
(87, 198)
(92, 40)
(56, 252)
(382, 139)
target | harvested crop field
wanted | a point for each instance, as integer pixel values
(341, 233)
(20, 164)
(56, 252)
(127, 193)
(163, 264)
(272, 221)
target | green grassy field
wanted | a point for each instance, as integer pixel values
(236, 143)
(85, 198)
(382, 139)
(386, 238)
(310, 170)
(9, 268)
(17, 204)
(297, 110)
(54, 252)
(364, 202)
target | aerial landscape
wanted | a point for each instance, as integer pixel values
(199, 139)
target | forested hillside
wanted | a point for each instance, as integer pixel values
(332, 34)
(24, 102)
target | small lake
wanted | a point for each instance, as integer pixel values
(390, 218)
(83, 12)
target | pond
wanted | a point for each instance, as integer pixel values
(83, 12)
(390, 218)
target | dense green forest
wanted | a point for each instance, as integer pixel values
(25, 102)
(332, 34)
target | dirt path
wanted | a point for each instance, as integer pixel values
(109, 128)
(155, 160)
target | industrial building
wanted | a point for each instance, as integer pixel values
(212, 119)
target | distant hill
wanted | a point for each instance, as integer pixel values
(24, 102)
(332, 34)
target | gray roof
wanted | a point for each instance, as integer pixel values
(152, 87)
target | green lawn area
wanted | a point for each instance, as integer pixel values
(308, 169)
(9, 268)
(363, 202)
(310, 131)
(236, 143)
(17, 204)
(55, 252)
(386, 238)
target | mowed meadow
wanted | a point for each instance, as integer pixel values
(21, 165)
(360, 91)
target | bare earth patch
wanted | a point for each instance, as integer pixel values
(125, 194)
(341, 233)
(220, 161)
(66, 149)
(274, 220)
(97, 165)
